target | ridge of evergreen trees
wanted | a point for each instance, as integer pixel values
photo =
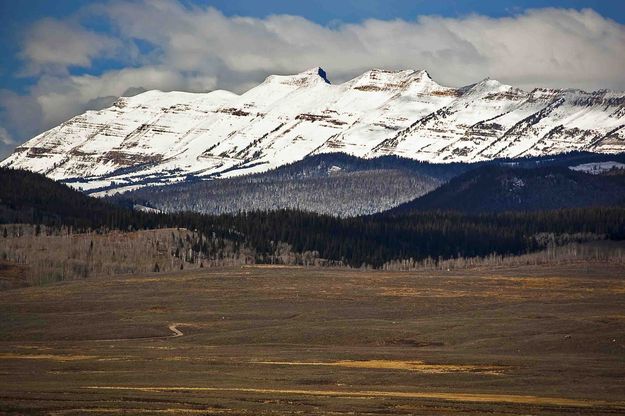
(500, 188)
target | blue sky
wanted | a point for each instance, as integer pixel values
(16, 16)
(62, 57)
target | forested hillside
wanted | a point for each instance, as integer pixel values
(347, 186)
(334, 184)
(27, 197)
(296, 237)
(498, 188)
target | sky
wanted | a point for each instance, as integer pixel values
(61, 58)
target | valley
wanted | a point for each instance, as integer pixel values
(272, 340)
(196, 218)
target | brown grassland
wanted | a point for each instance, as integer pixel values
(257, 340)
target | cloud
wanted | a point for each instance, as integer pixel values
(21, 114)
(166, 45)
(6, 142)
(5, 137)
(53, 46)
(61, 97)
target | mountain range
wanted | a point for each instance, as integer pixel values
(157, 138)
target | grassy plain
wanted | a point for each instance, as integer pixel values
(283, 340)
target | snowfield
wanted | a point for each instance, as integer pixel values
(597, 168)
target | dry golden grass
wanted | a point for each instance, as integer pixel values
(417, 366)
(50, 357)
(421, 367)
(460, 397)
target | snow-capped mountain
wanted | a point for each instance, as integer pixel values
(163, 137)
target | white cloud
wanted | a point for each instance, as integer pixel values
(5, 137)
(199, 49)
(6, 142)
(20, 113)
(61, 97)
(52, 46)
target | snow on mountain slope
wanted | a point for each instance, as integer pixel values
(598, 167)
(398, 99)
(571, 120)
(163, 137)
(445, 135)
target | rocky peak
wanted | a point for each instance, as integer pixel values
(309, 77)
(387, 80)
(491, 88)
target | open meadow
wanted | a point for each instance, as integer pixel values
(258, 340)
